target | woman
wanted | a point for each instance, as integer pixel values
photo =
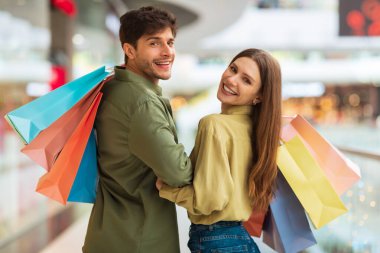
(234, 156)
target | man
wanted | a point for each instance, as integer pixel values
(137, 143)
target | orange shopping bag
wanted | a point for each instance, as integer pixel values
(339, 170)
(254, 225)
(57, 183)
(45, 148)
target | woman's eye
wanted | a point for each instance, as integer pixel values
(233, 69)
(246, 80)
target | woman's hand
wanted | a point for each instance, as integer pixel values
(159, 184)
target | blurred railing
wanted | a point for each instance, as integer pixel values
(357, 231)
(360, 153)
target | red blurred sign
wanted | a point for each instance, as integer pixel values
(67, 6)
(359, 17)
(58, 76)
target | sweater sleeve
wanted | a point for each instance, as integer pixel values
(213, 186)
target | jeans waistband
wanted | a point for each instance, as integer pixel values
(219, 224)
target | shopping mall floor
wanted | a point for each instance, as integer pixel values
(64, 239)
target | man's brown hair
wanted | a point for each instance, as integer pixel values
(146, 20)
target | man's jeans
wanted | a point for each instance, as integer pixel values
(221, 237)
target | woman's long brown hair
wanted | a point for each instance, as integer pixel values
(266, 127)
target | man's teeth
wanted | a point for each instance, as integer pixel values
(163, 63)
(229, 90)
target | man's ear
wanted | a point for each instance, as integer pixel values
(129, 50)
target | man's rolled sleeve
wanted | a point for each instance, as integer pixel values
(153, 141)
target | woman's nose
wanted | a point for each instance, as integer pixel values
(231, 80)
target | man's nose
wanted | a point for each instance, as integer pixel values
(167, 50)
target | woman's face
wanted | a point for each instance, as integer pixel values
(240, 83)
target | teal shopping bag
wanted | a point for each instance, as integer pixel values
(30, 119)
(86, 180)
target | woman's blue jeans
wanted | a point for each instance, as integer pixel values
(221, 237)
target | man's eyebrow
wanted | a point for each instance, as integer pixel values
(153, 38)
(156, 38)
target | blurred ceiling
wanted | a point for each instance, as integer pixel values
(184, 15)
(214, 27)
(196, 19)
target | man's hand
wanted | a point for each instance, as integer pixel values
(159, 184)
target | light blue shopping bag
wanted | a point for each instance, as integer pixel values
(286, 228)
(86, 180)
(30, 119)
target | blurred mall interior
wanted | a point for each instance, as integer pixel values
(329, 51)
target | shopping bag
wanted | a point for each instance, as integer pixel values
(30, 119)
(57, 183)
(86, 179)
(340, 171)
(286, 228)
(309, 182)
(254, 225)
(45, 148)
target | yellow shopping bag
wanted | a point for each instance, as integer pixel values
(340, 171)
(309, 183)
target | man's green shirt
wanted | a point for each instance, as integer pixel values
(137, 142)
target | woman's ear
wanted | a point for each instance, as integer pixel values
(129, 50)
(257, 100)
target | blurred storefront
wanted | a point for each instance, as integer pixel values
(41, 41)
(338, 105)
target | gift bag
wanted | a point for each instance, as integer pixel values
(340, 171)
(286, 229)
(254, 225)
(57, 183)
(30, 119)
(86, 180)
(45, 148)
(309, 182)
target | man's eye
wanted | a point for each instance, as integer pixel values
(171, 43)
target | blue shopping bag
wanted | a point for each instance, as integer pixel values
(286, 228)
(30, 119)
(86, 180)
